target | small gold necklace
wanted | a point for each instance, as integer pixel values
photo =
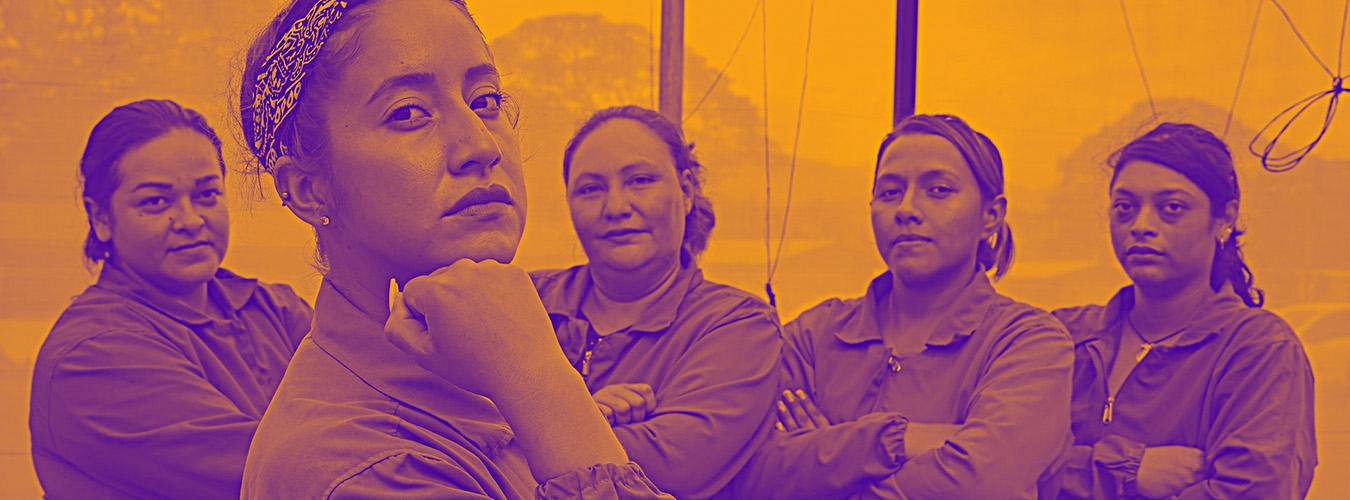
(1148, 344)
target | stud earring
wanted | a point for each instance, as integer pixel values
(285, 197)
(324, 221)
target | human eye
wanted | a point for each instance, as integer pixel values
(408, 117)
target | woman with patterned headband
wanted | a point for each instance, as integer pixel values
(932, 384)
(384, 127)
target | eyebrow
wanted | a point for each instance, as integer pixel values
(485, 71)
(409, 80)
(153, 185)
(209, 178)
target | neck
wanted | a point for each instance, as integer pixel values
(620, 286)
(920, 300)
(194, 295)
(1165, 309)
(364, 284)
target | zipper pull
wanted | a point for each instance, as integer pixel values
(586, 363)
(894, 363)
(586, 357)
(1110, 409)
(1143, 351)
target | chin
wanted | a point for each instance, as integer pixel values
(495, 245)
(912, 272)
(624, 259)
(191, 276)
(1148, 276)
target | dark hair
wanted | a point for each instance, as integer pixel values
(698, 224)
(127, 127)
(1204, 159)
(985, 163)
(303, 131)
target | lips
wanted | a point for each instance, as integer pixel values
(481, 196)
(620, 233)
(1143, 250)
(910, 238)
(189, 246)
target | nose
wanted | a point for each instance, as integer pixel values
(473, 149)
(186, 218)
(617, 205)
(1145, 223)
(908, 212)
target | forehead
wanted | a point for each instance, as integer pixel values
(1143, 178)
(397, 37)
(912, 155)
(618, 143)
(179, 156)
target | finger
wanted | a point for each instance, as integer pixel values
(638, 405)
(648, 395)
(608, 413)
(799, 413)
(814, 413)
(622, 412)
(785, 417)
(408, 332)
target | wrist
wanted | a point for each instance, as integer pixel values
(534, 383)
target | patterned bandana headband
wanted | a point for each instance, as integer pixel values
(277, 88)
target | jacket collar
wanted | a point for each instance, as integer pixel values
(965, 315)
(228, 291)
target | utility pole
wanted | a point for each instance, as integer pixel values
(671, 94)
(906, 57)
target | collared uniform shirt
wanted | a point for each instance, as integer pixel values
(1235, 384)
(137, 395)
(710, 353)
(358, 418)
(998, 368)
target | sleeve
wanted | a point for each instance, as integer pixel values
(133, 412)
(715, 412)
(1016, 428)
(409, 475)
(1260, 440)
(604, 481)
(832, 462)
(1106, 469)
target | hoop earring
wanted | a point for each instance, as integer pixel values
(324, 221)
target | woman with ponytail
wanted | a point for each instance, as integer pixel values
(685, 369)
(1183, 385)
(932, 384)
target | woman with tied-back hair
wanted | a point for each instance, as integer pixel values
(684, 368)
(153, 381)
(932, 384)
(384, 127)
(1183, 385)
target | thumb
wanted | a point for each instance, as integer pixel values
(405, 329)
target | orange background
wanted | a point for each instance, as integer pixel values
(1053, 82)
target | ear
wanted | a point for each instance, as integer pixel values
(687, 188)
(1225, 223)
(309, 193)
(100, 219)
(994, 213)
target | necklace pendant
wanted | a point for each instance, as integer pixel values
(1143, 351)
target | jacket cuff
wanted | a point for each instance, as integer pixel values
(1119, 458)
(626, 481)
(891, 439)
